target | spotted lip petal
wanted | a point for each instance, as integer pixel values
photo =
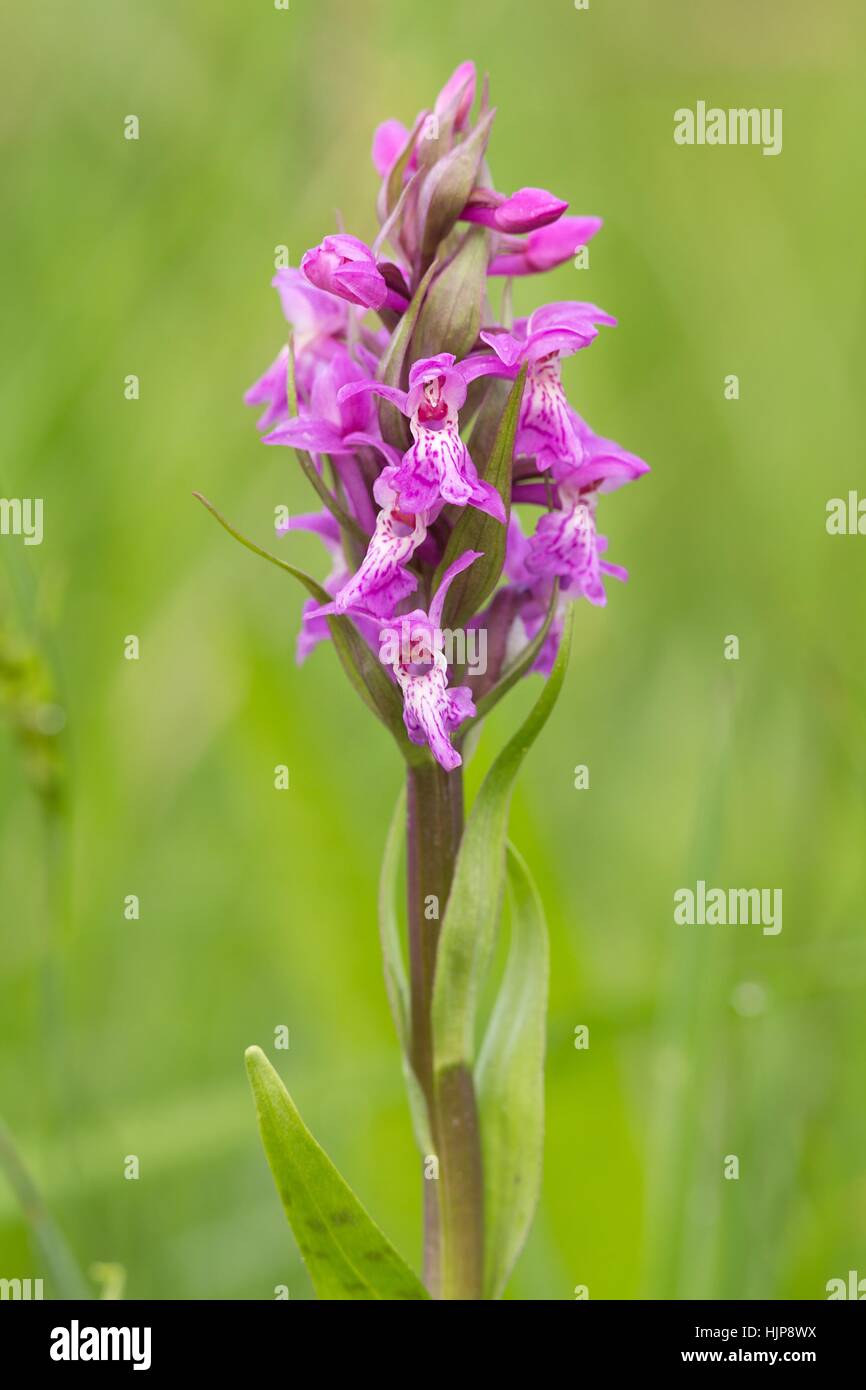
(432, 711)
(382, 579)
(437, 468)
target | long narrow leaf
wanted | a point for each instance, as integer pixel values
(469, 925)
(361, 666)
(509, 1079)
(346, 1254)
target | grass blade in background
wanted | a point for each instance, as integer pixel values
(60, 1264)
(365, 672)
(683, 1198)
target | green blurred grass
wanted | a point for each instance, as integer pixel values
(258, 908)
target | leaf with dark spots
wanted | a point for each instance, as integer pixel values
(352, 1259)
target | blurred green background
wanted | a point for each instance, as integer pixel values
(257, 907)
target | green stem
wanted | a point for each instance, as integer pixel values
(461, 1185)
(453, 1205)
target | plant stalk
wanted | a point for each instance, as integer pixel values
(453, 1204)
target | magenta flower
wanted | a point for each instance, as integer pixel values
(389, 141)
(604, 466)
(524, 211)
(413, 646)
(390, 138)
(331, 424)
(317, 321)
(459, 94)
(544, 249)
(314, 315)
(566, 545)
(437, 468)
(314, 628)
(548, 429)
(382, 580)
(346, 267)
(314, 624)
(271, 391)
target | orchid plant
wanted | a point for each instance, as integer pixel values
(393, 354)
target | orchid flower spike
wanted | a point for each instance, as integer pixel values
(404, 503)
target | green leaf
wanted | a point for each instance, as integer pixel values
(395, 178)
(448, 185)
(363, 669)
(451, 317)
(346, 522)
(393, 423)
(509, 1079)
(396, 982)
(469, 926)
(292, 379)
(346, 1254)
(475, 530)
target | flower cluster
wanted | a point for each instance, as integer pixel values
(377, 405)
